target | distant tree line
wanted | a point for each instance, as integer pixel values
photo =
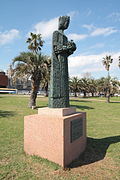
(94, 87)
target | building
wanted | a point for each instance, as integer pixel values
(18, 82)
(3, 80)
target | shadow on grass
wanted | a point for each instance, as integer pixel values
(115, 102)
(77, 106)
(95, 150)
(82, 107)
(6, 113)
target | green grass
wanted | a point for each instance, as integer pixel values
(101, 160)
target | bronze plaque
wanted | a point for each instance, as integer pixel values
(76, 128)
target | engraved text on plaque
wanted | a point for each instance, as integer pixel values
(76, 128)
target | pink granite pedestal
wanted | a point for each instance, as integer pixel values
(52, 134)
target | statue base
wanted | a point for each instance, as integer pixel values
(58, 135)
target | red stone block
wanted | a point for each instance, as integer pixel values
(48, 135)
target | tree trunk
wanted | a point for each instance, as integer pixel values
(84, 94)
(33, 96)
(46, 90)
(108, 96)
(46, 93)
(92, 94)
(108, 99)
(75, 94)
(108, 89)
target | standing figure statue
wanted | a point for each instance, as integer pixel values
(59, 80)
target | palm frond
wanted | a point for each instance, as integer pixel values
(35, 42)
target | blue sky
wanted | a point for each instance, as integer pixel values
(94, 27)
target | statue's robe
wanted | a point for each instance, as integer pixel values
(59, 85)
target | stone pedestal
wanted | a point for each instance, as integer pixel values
(58, 135)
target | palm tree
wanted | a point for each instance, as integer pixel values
(74, 85)
(102, 86)
(106, 62)
(35, 42)
(84, 86)
(115, 85)
(92, 84)
(32, 65)
(46, 75)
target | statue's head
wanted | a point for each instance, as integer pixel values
(63, 22)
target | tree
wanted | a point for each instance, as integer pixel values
(102, 86)
(106, 62)
(87, 75)
(92, 84)
(84, 86)
(46, 75)
(32, 65)
(74, 85)
(115, 85)
(35, 42)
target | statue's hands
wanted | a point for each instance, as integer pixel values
(71, 46)
(58, 49)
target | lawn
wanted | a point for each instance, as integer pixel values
(100, 161)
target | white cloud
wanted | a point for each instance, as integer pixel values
(8, 36)
(83, 60)
(91, 63)
(46, 28)
(103, 31)
(77, 36)
(93, 69)
(93, 32)
(88, 26)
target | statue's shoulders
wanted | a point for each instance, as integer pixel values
(55, 32)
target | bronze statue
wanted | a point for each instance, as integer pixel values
(59, 80)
